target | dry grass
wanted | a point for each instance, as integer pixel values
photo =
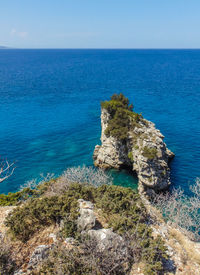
(23, 251)
(190, 247)
(4, 211)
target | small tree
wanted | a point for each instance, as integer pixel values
(6, 170)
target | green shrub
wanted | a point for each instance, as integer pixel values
(24, 221)
(14, 198)
(121, 207)
(130, 156)
(149, 153)
(122, 116)
(69, 262)
(7, 265)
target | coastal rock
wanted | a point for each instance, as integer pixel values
(40, 253)
(143, 151)
(87, 218)
(107, 240)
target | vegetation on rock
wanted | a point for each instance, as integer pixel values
(149, 153)
(122, 117)
(121, 208)
(130, 156)
(7, 265)
(14, 198)
(181, 210)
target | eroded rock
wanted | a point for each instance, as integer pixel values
(87, 218)
(106, 240)
(40, 253)
(144, 151)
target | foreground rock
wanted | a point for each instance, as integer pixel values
(87, 219)
(143, 150)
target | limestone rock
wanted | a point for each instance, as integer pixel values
(149, 155)
(87, 218)
(40, 253)
(107, 240)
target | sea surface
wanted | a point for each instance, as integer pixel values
(50, 107)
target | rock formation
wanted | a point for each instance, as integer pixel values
(143, 149)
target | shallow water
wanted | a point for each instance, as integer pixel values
(50, 106)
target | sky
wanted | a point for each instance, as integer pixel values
(100, 23)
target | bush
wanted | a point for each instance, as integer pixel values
(130, 156)
(14, 198)
(122, 116)
(69, 262)
(24, 221)
(32, 188)
(181, 210)
(149, 153)
(122, 209)
(7, 265)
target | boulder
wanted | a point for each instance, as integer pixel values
(40, 253)
(107, 240)
(87, 218)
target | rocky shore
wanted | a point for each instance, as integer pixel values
(142, 150)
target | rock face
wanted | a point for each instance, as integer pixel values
(40, 253)
(144, 151)
(106, 239)
(87, 219)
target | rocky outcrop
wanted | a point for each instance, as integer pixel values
(39, 254)
(87, 219)
(144, 151)
(105, 240)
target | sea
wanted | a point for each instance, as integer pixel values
(50, 107)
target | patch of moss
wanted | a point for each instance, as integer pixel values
(122, 117)
(149, 153)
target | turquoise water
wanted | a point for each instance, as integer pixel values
(50, 106)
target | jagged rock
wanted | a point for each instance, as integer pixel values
(53, 237)
(113, 153)
(19, 272)
(106, 240)
(87, 218)
(40, 253)
(70, 240)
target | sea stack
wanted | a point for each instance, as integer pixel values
(130, 141)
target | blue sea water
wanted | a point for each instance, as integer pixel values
(50, 106)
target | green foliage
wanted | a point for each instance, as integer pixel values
(69, 262)
(130, 156)
(14, 198)
(7, 265)
(121, 207)
(24, 221)
(117, 101)
(122, 116)
(26, 193)
(149, 153)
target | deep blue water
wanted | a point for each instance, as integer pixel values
(50, 106)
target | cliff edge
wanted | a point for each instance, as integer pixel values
(129, 140)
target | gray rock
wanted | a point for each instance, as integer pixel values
(70, 240)
(152, 173)
(53, 237)
(106, 240)
(19, 272)
(40, 253)
(87, 218)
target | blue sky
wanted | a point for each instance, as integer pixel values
(100, 23)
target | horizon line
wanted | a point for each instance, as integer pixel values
(43, 48)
